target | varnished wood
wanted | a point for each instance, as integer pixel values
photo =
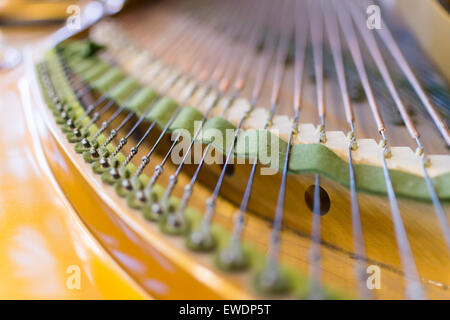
(105, 212)
(337, 247)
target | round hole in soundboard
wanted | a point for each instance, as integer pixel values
(229, 171)
(325, 202)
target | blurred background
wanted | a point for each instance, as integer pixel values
(26, 12)
(24, 22)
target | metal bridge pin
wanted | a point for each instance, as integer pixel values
(77, 132)
(158, 169)
(70, 123)
(232, 258)
(173, 221)
(209, 202)
(140, 195)
(85, 142)
(426, 162)
(272, 281)
(201, 240)
(353, 145)
(419, 151)
(350, 135)
(114, 172)
(94, 153)
(156, 208)
(320, 128)
(323, 137)
(145, 159)
(103, 162)
(64, 115)
(126, 184)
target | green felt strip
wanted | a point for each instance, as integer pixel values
(263, 144)
(141, 100)
(94, 72)
(162, 111)
(108, 80)
(318, 158)
(305, 158)
(74, 61)
(123, 90)
(60, 80)
(45, 94)
(215, 131)
(257, 259)
(82, 65)
(185, 120)
(80, 48)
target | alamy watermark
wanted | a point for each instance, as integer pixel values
(74, 20)
(73, 280)
(374, 17)
(374, 279)
(261, 144)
